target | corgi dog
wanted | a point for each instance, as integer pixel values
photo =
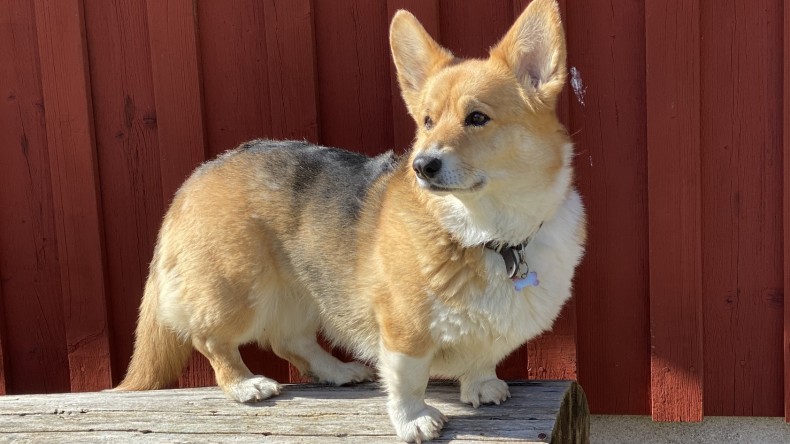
(439, 262)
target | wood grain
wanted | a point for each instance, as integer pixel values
(786, 206)
(291, 50)
(234, 60)
(673, 169)
(75, 189)
(29, 269)
(552, 355)
(537, 412)
(353, 69)
(607, 121)
(128, 159)
(573, 421)
(742, 207)
(3, 351)
(469, 29)
(175, 64)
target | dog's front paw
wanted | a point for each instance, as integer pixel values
(254, 389)
(485, 391)
(347, 373)
(427, 424)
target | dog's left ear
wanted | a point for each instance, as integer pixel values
(534, 48)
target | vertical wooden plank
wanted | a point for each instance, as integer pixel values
(72, 155)
(29, 267)
(290, 43)
(175, 65)
(128, 158)
(469, 29)
(552, 355)
(673, 167)
(3, 351)
(606, 48)
(235, 73)
(741, 207)
(427, 12)
(786, 199)
(353, 71)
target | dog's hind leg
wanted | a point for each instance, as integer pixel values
(295, 341)
(310, 358)
(232, 374)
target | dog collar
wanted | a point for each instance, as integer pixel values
(516, 262)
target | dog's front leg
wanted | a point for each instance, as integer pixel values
(406, 378)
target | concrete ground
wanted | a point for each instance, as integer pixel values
(713, 430)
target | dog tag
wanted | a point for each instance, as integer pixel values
(531, 280)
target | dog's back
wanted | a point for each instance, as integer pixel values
(331, 179)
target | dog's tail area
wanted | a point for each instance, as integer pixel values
(159, 353)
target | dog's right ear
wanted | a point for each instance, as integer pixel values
(416, 57)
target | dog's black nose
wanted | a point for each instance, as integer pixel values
(427, 167)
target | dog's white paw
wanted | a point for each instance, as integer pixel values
(346, 373)
(254, 389)
(427, 424)
(484, 391)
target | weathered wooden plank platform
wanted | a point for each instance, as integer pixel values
(539, 411)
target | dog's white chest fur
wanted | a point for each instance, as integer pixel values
(503, 318)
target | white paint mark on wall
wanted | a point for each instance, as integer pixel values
(591, 164)
(578, 86)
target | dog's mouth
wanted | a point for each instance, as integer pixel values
(436, 188)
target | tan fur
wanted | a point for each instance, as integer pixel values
(250, 251)
(154, 342)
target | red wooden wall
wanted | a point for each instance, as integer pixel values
(682, 131)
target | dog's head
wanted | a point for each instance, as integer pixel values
(487, 127)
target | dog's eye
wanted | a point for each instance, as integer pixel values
(428, 122)
(476, 118)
